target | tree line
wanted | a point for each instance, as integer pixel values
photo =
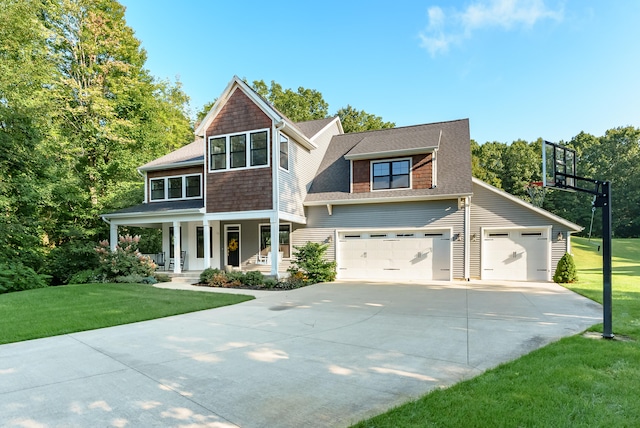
(79, 112)
(615, 157)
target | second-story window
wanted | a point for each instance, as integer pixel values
(390, 174)
(284, 152)
(176, 187)
(239, 151)
(218, 153)
(259, 148)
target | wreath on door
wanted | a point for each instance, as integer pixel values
(233, 244)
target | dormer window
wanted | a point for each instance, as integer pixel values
(393, 174)
(239, 151)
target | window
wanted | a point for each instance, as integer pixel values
(192, 186)
(390, 175)
(157, 189)
(177, 187)
(284, 152)
(218, 151)
(259, 148)
(284, 245)
(238, 151)
(200, 242)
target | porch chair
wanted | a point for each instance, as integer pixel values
(160, 261)
(183, 255)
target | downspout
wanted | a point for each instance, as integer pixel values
(467, 237)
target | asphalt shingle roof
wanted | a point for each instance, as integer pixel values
(311, 127)
(453, 161)
(159, 207)
(193, 152)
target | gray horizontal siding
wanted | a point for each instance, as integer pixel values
(491, 210)
(303, 166)
(433, 214)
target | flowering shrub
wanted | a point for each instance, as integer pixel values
(125, 260)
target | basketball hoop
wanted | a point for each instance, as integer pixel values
(537, 192)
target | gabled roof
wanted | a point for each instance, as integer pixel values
(189, 155)
(311, 128)
(282, 122)
(525, 204)
(332, 182)
(405, 141)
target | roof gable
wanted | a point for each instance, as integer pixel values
(527, 205)
(281, 121)
(332, 181)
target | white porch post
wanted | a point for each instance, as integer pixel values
(176, 247)
(113, 236)
(275, 244)
(207, 243)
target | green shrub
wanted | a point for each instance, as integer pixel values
(15, 276)
(162, 277)
(125, 261)
(208, 274)
(566, 270)
(310, 260)
(70, 258)
(129, 279)
(86, 276)
(235, 278)
(270, 283)
(253, 278)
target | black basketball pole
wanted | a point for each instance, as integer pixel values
(607, 330)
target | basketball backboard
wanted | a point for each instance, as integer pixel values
(558, 166)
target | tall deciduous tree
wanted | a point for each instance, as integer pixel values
(25, 71)
(354, 120)
(301, 105)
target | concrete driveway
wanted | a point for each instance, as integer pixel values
(326, 355)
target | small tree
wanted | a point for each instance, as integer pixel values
(566, 270)
(310, 260)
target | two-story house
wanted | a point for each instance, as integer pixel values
(393, 204)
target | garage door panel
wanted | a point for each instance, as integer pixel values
(520, 255)
(395, 256)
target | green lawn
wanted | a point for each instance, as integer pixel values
(58, 310)
(575, 382)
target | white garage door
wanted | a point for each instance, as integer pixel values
(516, 255)
(395, 255)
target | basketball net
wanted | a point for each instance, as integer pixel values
(537, 193)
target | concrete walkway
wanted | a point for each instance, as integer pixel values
(327, 355)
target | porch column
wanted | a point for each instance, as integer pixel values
(207, 243)
(275, 245)
(113, 236)
(176, 247)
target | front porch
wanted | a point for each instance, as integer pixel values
(243, 245)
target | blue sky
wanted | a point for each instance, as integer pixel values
(515, 68)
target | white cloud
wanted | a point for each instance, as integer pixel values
(446, 29)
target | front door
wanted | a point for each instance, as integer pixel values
(232, 242)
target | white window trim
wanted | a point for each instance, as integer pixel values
(288, 152)
(166, 187)
(260, 225)
(247, 135)
(371, 163)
